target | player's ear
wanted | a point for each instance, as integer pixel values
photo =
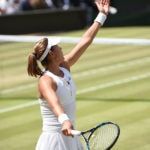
(50, 53)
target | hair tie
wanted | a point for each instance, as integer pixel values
(35, 54)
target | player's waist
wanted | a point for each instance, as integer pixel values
(51, 129)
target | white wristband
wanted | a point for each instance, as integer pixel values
(62, 118)
(101, 17)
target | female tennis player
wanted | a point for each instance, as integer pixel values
(56, 89)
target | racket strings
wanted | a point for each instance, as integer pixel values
(103, 137)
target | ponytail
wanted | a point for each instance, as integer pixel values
(33, 68)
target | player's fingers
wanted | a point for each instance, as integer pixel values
(103, 2)
(67, 132)
(99, 5)
(107, 3)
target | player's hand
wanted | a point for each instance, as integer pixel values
(67, 127)
(103, 6)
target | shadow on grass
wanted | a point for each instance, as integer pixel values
(18, 98)
(112, 99)
(82, 99)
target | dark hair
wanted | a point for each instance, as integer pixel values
(33, 68)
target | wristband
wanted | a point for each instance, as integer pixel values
(101, 17)
(62, 118)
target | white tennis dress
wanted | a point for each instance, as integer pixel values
(52, 138)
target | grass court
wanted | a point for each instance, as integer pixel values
(113, 84)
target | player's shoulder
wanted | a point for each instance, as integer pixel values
(45, 79)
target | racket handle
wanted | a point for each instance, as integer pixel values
(75, 132)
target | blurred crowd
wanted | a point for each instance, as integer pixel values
(12, 6)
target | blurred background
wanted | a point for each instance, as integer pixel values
(31, 16)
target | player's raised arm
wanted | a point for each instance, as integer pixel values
(89, 35)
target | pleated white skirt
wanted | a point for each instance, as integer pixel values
(58, 141)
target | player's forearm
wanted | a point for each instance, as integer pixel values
(59, 113)
(90, 34)
(84, 43)
(56, 107)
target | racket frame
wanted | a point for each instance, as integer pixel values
(91, 131)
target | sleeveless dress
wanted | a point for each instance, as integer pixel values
(52, 138)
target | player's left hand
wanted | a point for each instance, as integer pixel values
(103, 6)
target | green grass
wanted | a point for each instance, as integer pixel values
(118, 74)
(118, 32)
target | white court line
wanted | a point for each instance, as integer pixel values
(114, 66)
(18, 88)
(90, 89)
(114, 83)
(85, 73)
(21, 38)
(18, 106)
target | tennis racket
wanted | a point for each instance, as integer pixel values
(101, 137)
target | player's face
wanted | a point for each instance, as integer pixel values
(57, 50)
